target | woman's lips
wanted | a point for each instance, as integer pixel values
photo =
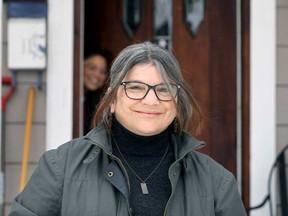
(149, 113)
(94, 81)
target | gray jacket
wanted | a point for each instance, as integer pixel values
(83, 178)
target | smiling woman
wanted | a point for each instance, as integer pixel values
(148, 115)
(137, 160)
(150, 66)
(96, 65)
(95, 72)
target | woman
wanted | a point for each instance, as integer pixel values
(95, 77)
(137, 160)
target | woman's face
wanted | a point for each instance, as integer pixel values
(95, 72)
(148, 116)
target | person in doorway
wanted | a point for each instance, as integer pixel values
(137, 160)
(95, 76)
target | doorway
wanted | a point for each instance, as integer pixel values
(208, 59)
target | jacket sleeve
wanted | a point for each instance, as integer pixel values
(42, 194)
(228, 200)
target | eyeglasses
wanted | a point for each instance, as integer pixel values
(138, 90)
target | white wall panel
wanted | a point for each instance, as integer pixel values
(262, 99)
(59, 72)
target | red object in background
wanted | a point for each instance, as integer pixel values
(5, 98)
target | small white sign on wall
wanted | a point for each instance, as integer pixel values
(26, 43)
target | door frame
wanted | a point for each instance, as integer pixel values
(245, 129)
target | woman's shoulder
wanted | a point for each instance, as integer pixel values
(210, 173)
(83, 144)
(206, 162)
(200, 160)
(208, 170)
(79, 149)
(70, 145)
(76, 151)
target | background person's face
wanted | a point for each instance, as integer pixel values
(148, 116)
(95, 72)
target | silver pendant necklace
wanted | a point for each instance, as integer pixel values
(143, 184)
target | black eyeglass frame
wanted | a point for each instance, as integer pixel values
(149, 87)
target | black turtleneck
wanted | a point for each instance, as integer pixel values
(143, 154)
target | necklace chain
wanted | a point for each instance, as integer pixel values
(143, 181)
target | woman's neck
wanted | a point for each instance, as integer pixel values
(135, 144)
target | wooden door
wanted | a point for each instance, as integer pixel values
(208, 62)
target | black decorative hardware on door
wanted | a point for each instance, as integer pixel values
(194, 15)
(131, 16)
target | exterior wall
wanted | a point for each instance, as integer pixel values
(52, 116)
(14, 123)
(282, 75)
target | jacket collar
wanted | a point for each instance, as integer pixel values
(182, 143)
(100, 136)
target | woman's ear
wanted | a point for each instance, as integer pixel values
(112, 107)
(112, 103)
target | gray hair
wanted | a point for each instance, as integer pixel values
(167, 65)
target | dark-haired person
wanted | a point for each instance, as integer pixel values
(95, 77)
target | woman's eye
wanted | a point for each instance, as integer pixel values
(162, 89)
(135, 87)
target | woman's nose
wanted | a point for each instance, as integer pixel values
(151, 97)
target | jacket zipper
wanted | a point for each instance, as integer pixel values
(173, 189)
(113, 157)
(126, 176)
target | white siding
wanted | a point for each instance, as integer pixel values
(282, 76)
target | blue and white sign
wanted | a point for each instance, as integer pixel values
(26, 36)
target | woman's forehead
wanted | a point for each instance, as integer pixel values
(144, 72)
